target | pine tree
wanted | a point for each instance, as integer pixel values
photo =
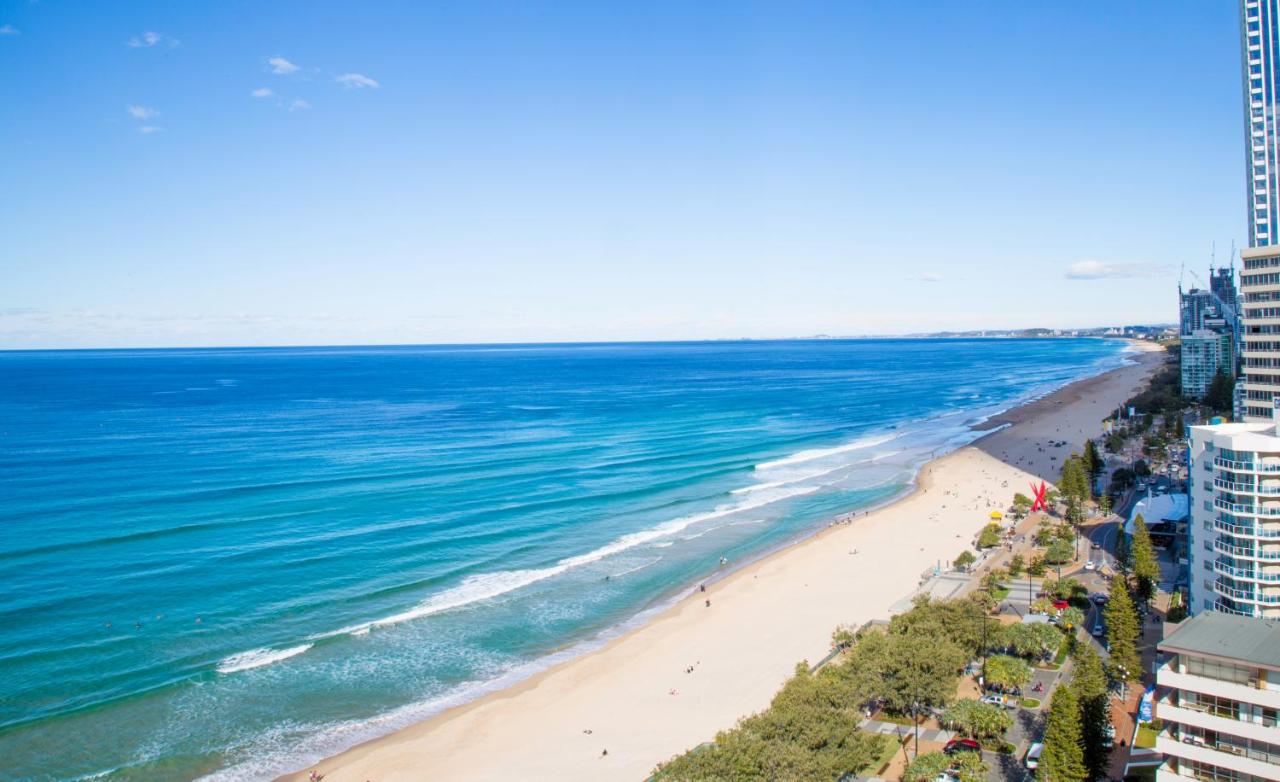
(1220, 393)
(1124, 559)
(1122, 632)
(1145, 568)
(1063, 759)
(1089, 682)
(1093, 463)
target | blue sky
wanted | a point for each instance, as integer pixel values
(530, 171)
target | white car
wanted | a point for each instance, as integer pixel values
(1091, 565)
(1033, 755)
(996, 700)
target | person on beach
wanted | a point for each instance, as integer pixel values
(708, 603)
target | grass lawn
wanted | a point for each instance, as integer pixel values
(1029, 703)
(891, 748)
(1146, 738)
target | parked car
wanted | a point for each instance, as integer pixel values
(1091, 565)
(997, 700)
(1060, 605)
(1033, 755)
(961, 745)
(1097, 630)
(1100, 599)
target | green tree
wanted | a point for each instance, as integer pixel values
(1016, 563)
(1006, 671)
(1021, 504)
(1124, 554)
(1036, 568)
(809, 731)
(1104, 504)
(965, 559)
(927, 767)
(1122, 633)
(990, 536)
(1146, 570)
(967, 766)
(1059, 552)
(1072, 618)
(1089, 681)
(1221, 390)
(1093, 462)
(1062, 759)
(1074, 487)
(981, 721)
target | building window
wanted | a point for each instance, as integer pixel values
(1223, 672)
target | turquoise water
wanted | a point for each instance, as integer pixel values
(229, 563)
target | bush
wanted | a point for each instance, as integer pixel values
(981, 721)
(990, 536)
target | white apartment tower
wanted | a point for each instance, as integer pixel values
(1218, 695)
(1233, 530)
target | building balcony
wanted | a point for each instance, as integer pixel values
(1168, 676)
(1196, 718)
(1253, 596)
(1226, 484)
(1190, 749)
(1249, 509)
(1247, 552)
(1249, 467)
(1256, 531)
(1247, 574)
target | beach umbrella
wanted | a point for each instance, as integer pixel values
(997, 515)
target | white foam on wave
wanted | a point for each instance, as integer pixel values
(641, 566)
(257, 658)
(819, 453)
(486, 586)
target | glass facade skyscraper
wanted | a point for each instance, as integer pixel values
(1260, 31)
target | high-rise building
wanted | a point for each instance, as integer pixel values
(1260, 327)
(1218, 697)
(1260, 279)
(1205, 353)
(1260, 42)
(1210, 329)
(1233, 546)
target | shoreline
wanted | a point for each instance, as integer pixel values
(555, 708)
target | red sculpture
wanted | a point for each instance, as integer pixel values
(1039, 503)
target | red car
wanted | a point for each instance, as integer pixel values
(961, 745)
(1060, 605)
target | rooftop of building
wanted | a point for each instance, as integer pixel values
(1247, 436)
(1255, 641)
(1157, 508)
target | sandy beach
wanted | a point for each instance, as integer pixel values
(634, 698)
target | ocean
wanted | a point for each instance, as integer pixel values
(228, 563)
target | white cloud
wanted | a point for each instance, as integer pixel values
(147, 130)
(298, 104)
(142, 112)
(262, 92)
(281, 66)
(930, 277)
(149, 39)
(1097, 270)
(357, 80)
(9, 29)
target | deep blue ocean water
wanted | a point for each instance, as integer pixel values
(231, 562)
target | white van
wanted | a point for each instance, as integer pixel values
(1033, 755)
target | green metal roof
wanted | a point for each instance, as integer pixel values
(1241, 638)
